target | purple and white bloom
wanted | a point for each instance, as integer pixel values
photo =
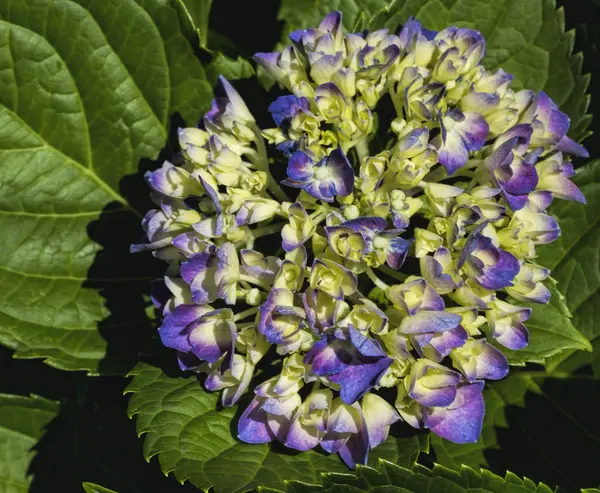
(527, 228)
(308, 281)
(308, 425)
(346, 433)
(429, 322)
(256, 425)
(322, 310)
(441, 198)
(255, 265)
(515, 174)
(286, 67)
(178, 323)
(348, 358)
(291, 272)
(417, 45)
(331, 103)
(325, 179)
(415, 295)
(213, 335)
(332, 278)
(229, 114)
(362, 236)
(299, 228)
(431, 384)
(403, 208)
(461, 50)
(280, 320)
(435, 346)
(347, 243)
(461, 421)
(213, 274)
(284, 108)
(491, 267)
(528, 284)
(462, 133)
(506, 322)
(554, 174)
(379, 416)
(232, 378)
(478, 360)
(473, 294)
(256, 210)
(439, 271)
(174, 181)
(426, 242)
(550, 126)
(366, 317)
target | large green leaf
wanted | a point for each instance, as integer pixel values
(306, 13)
(195, 439)
(537, 425)
(196, 13)
(575, 262)
(525, 38)
(391, 478)
(551, 332)
(87, 89)
(22, 423)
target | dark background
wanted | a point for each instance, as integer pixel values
(93, 440)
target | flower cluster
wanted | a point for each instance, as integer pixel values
(399, 263)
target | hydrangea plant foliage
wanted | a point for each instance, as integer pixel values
(402, 237)
(365, 265)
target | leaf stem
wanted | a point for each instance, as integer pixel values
(378, 282)
(272, 184)
(245, 314)
(399, 276)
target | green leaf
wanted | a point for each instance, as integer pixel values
(22, 423)
(391, 478)
(551, 332)
(308, 13)
(231, 69)
(95, 488)
(87, 91)
(195, 439)
(575, 262)
(196, 14)
(527, 39)
(537, 425)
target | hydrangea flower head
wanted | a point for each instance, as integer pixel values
(398, 267)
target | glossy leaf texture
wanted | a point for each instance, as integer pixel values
(575, 262)
(391, 478)
(22, 422)
(551, 332)
(195, 439)
(77, 113)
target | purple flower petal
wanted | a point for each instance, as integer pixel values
(461, 421)
(341, 172)
(286, 107)
(429, 321)
(252, 426)
(176, 326)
